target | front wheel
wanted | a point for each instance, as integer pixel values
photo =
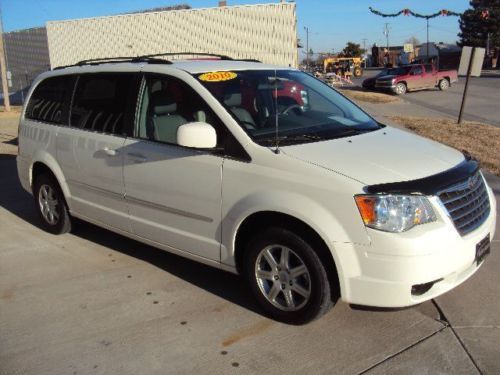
(287, 277)
(444, 84)
(400, 89)
(358, 72)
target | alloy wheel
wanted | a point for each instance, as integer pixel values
(283, 278)
(48, 203)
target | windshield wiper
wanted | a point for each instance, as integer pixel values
(290, 139)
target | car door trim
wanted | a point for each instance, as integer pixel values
(109, 193)
(171, 210)
(142, 202)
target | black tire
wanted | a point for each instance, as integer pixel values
(400, 89)
(358, 72)
(320, 297)
(61, 224)
(444, 84)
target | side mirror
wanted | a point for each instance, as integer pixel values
(196, 135)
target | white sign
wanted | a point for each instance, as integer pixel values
(477, 63)
(408, 47)
(9, 74)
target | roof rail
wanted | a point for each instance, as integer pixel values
(150, 59)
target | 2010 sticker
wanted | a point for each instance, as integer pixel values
(217, 76)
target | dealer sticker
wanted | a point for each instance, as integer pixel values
(217, 76)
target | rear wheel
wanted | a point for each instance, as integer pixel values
(400, 89)
(358, 72)
(444, 84)
(287, 277)
(51, 205)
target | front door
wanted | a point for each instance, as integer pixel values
(173, 193)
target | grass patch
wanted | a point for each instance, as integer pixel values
(482, 141)
(370, 97)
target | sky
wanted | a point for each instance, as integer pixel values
(331, 23)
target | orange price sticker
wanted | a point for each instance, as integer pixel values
(217, 76)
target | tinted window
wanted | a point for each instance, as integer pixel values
(417, 70)
(168, 103)
(428, 68)
(50, 100)
(101, 101)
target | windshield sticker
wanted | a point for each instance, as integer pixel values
(217, 76)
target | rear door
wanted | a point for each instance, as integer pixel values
(430, 76)
(90, 150)
(173, 193)
(415, 79)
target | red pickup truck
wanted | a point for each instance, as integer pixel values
(415, 77)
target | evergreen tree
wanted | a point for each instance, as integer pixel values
(476, 23)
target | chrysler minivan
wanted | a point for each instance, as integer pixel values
(258, 170)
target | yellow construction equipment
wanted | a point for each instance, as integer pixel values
(338, 65)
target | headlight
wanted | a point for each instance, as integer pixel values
(394, 213)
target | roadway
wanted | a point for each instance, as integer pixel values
(482, 101)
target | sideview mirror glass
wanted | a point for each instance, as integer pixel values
(197, 135)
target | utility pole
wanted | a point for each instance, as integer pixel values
(427, 47)
(386, 33)
(307, 47)
(3, 68)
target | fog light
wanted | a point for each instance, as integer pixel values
(419, 289)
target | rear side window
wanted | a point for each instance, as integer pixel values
(428, 68)
(101, 101)
(50, 100)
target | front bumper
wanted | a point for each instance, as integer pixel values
(383, 273)
(384, 85)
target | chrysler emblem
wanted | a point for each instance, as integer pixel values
(472, 181)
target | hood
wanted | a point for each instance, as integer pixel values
(386, 78)
(382, 156)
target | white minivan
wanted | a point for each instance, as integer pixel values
(259, 170)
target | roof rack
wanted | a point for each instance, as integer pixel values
(150, 59)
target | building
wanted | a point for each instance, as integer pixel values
(27, 55)
(264, 32)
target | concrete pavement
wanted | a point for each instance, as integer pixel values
(93, 302)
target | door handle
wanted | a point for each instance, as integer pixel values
(138, 158)
(109, 151)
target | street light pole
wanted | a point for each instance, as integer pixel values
(307, 47)
(427, 47)
(3, 71)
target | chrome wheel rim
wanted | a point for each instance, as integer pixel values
(283, 278)
(48, 204)
(400, 89)
(444, 84)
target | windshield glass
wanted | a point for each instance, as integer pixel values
(287, 106)
(402, 70)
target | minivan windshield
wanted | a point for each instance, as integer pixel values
(286, 106)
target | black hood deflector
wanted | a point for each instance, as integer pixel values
(429, 185)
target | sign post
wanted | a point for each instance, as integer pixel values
(471, 63)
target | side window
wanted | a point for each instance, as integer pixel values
(100, 102)
(417, 70)
(428, 68)
(50, 100)
(168, 103)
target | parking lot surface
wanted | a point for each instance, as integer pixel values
(94, 302)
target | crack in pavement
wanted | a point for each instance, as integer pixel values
(403, 350)
(446, 324)
(443, 317)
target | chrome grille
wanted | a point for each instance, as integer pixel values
(467, 203)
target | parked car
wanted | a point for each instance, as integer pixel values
(415, 77)
(258, 170)
(369, 83)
